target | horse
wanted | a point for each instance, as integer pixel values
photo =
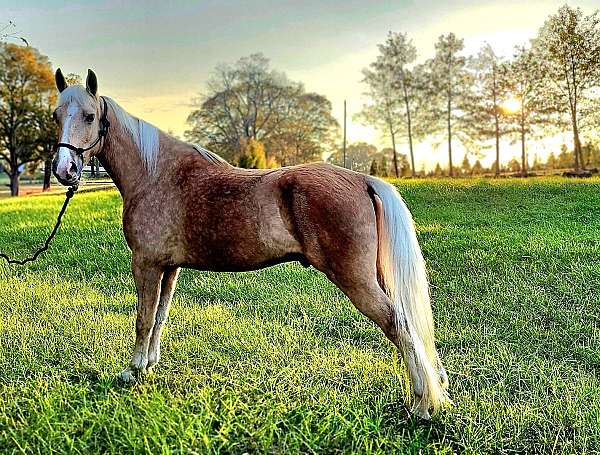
(184, 206)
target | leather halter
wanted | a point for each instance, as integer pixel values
(102, 132)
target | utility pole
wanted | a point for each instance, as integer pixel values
(344, 148)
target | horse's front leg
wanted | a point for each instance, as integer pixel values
(166, 295)
(148, 283)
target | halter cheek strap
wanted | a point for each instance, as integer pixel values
(102, 132)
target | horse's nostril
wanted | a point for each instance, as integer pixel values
(73, 168)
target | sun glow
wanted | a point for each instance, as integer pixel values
(511, 105)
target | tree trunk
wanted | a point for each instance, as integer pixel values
(409, 124)
(576, 146)
(14, 183)
(47, 173)
(523, 157)
(496, 120)
(497, 148)
(394, 151)
(450, 168)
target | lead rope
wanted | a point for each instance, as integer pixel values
(68, 196)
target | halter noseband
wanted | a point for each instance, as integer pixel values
(102, 132)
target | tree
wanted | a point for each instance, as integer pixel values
(359, 156)
(465, 166)
(405, 167)
(253, 156)
(374, 170)
(307, 133)
(527, 86)
(590, 154)
(514, 166)
(249, 100)
(569, 44)
(397, 97)
(490, 90)
(565, 157)
(383, 111)
(537, 164)
(477, 168)
(438, 171)
(8, 32)
(551, 162)
(26, 91)
(398, 53)
(449, 90)
(384, 168)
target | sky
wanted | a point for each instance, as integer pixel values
(154, 57)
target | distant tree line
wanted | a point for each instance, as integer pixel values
(366, 158)
(547, 87)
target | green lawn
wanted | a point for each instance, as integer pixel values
(278, 361)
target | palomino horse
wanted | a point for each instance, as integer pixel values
(183, 206)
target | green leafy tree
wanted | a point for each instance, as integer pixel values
(449, 91)
(397, 54)
(253, 155)
(308, 131)
(484, 112)
(384, 167)
(565, 157)
(384, 109)
(358, 156)
(249, 100)
(477, 168)
(514, 166)
(590, 154)
(465, 167)
(374, 167)
(527, 85)
(569, 44)
(551, 162)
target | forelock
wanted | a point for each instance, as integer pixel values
(79, 95)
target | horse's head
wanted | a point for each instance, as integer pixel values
(78, 114)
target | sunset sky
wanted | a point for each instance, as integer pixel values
(154, 56)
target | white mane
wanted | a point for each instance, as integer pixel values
(143, 133)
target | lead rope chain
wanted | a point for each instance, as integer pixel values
(68, 196)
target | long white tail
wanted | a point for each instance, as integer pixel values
(402, 268)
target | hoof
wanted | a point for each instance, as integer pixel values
(129, 375)
(420, 410)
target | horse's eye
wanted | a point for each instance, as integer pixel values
(55, 117)
(89, 118)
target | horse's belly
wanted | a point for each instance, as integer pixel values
(256, 246)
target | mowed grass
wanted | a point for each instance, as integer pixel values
(279, 361)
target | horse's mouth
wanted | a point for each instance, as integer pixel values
(69, 182)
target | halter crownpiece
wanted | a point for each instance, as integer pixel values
(102, 132)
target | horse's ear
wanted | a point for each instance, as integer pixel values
(91, 83)
(61, 84)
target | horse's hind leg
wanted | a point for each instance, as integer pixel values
(166, 295)
(148, 283)
(370, 300)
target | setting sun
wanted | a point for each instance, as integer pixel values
(511, 105)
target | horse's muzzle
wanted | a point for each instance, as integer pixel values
(67, 175)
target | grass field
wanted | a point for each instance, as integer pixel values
(278, 361)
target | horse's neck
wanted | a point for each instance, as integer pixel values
(122, 161)
(121, 158)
